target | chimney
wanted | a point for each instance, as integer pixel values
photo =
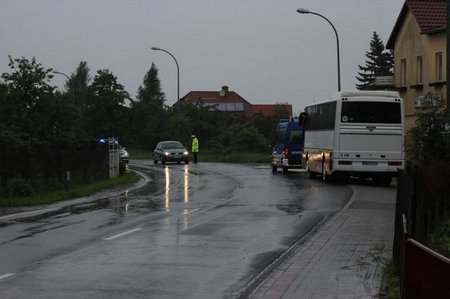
(225, 88)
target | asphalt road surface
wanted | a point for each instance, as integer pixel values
(202, 230)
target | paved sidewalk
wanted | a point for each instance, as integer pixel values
(346, 258)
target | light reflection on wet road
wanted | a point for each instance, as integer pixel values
(195, 231)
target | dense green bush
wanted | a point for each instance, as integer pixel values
(430, 138)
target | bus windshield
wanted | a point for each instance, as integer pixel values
(296, 137)
(371, 112)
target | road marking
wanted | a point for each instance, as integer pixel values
(187, 212)
(122, 234)
(6, 275)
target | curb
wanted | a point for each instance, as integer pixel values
(325, 223)
(52, 208)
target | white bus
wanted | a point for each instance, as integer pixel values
(357, 133)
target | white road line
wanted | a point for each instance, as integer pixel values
(6, 275)
(122, 234)
(190, 212)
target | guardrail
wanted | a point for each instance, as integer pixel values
(424, 272)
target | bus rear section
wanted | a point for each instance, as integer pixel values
(359, 134)
(370, 138)
(288, 146)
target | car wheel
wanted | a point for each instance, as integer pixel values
(274, 168)
(163, 161)
(155, 161)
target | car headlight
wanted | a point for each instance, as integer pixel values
(166, 153)
(185, 153)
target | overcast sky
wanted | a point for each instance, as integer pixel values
(262, 49)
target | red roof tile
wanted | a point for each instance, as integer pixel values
(430, 15)
(269, 110)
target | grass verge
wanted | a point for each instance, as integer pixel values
(73, 192)
(439, 240)
(391, 282)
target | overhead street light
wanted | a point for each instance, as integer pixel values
(68, 78)
(178, 70)
(60, 73)
(305, 11)
(178, 84)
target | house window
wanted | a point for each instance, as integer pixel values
(439, 66)
(403, 72)
(419, 69)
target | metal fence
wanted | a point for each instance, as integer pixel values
(423, 195)
(423, 200)
(45, 169)
(425, 273)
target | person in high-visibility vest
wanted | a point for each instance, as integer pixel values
(194, 147)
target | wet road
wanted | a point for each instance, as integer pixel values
(194, 231)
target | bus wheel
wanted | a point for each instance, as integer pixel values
(274, 168)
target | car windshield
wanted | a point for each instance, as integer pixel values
(174, 144)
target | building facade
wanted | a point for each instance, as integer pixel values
(229, 101)
(419, 43)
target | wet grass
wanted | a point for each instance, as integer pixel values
(73, 192)
(391, 282)
(211, 157)
(439, 241)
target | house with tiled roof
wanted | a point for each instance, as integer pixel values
(419, 43)
(229, 101)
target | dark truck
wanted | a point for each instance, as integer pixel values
(288, 145)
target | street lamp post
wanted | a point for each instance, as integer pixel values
(178, 84)
(60, 73)
(68, 78)
(305, 11)
(178, 70)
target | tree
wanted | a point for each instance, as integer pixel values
(29, 82)
(379, 63)
(105, 105)
(34, 120)
(150, 91)
(25, 90)
(148, 114)
(430, 138)
(78, 85)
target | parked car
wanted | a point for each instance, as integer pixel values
(170, 151)
(123, 155)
